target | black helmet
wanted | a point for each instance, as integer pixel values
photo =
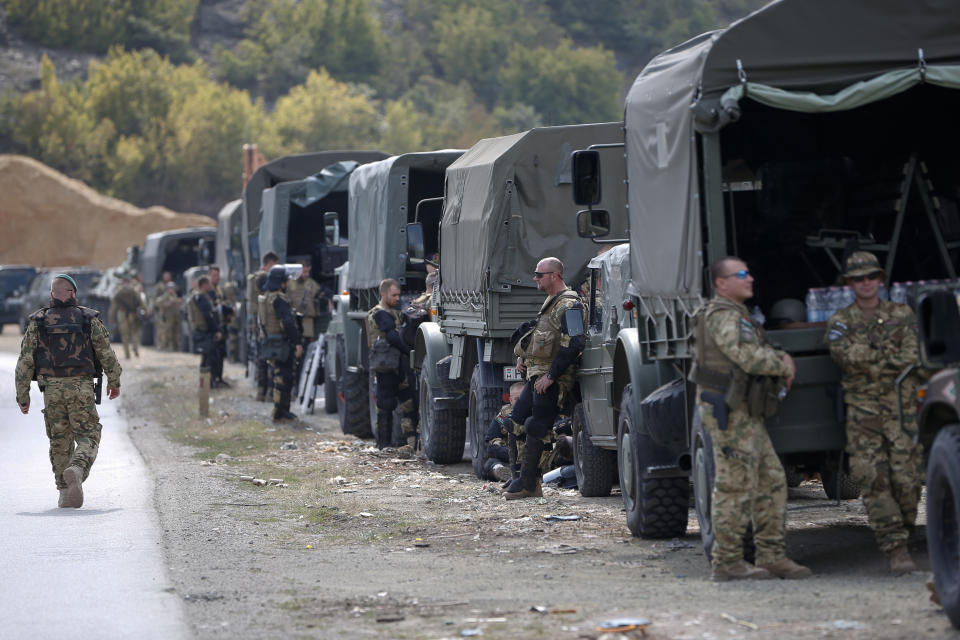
(275, 278)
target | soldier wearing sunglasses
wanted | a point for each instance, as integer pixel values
(733, 370)
(873, 341)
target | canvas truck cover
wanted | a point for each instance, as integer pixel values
(285, 169)
(614, 268)
(228, 225)
(803, 55)
(378, 214)
(275, 207)
(509, 203)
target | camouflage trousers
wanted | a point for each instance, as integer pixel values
(282, 383)
(750, 487)
(72, 423)
(168, 334)
(548, 459)
(888, 466)
(129, 333)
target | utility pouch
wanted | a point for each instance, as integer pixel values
(383, 357)
(275, 347)
(737, 388)
(202, 341)
(762, 401)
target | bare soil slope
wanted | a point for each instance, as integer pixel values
(49, 219)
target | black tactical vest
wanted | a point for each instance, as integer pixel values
(64, 346)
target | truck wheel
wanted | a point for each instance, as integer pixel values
(849, 490)
(943, 514)
(352, 398)
(332, 373)
(656, 507)
(442, 426)
(485, 403)
(595, 467)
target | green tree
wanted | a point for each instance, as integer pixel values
(564, 85)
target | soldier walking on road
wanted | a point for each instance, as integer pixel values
(738, 376)
(873, 341)
(255, 283)
(125, 310)
(390, 363)
(281, 339)
(549, 353)
(64, 348)
(204, 324)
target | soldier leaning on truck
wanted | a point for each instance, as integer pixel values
(548, 352)
(255, 282)
(394, 385)
(735, 371)
(61, 348)
(873, 341)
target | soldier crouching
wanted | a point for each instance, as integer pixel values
(63, 348)
(281, 341)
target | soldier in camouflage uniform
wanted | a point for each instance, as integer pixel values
(125, 310)
(304, 292)
(220, 347)
(62, 348)
(394, 387)
(498, 438)
(549, 353)
(281, 339)
(873, 341)
(255, 282)
(732, 359)
(167, 309)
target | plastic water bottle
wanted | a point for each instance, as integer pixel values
(813, 305)
(883, 292)
(849, 297)
(898, 293)
(834, 301)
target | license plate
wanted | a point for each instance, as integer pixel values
(511, 374)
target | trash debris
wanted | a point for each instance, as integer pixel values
(260, 482)
(247, 478)
(848, 624)
(275, 481)
(742, 623)
(561, 518)
(676, 544)
(538, 609)
(562, 611)
(364, 514)
(338, 480)
(623, 624)
(287, 446)
(222, 457)
(560, 549)
(390, 618)
(471, 632)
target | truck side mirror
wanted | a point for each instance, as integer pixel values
(331, 227)
(938, 321)
(593, 223)
(416, 252)
(586, 177)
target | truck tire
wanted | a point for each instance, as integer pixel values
(485, 403)
(849, 490)
(656, 507)
(595, 467)
(943, 514)
(443, 428)
(331, 375)
(352, 395)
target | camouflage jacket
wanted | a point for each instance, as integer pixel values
(26, 365)
(872, 353)
(126, 301)
(734, 334)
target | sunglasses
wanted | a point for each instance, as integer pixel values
(876, 275)
(740, 275)
(540, 274)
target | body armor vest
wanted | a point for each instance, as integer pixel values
(373, 331)
(64, 346)
(268, 315)
(194, 314)
(254, 281)
(542, 343)
(711, 368)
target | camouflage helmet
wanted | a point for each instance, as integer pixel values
(862, 263)
(787, 310)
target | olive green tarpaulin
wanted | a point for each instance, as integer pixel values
(807, 55)
(509, 203)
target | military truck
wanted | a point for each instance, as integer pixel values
(384, 198)
(174, 251)
(789, 138)
(938, 423)
(14, 280)
(229, 244)
(507, 205)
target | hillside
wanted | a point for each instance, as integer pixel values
(51, 220)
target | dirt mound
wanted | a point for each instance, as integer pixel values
(49, 219)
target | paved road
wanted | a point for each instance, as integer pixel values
(95, 572)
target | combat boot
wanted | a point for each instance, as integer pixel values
(502, 473)
(409, 447)
(384, 429)
(63, 502)
(283, 415)
(529, 480)
(900, 561)
(741, 570)
(261, 394)
(73, 476)
(787, 569)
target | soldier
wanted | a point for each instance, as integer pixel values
(204, 324)
(873, 341)
(548, 352)
(281, 341)
(255, 282)
(304, 294)
(168, 318)
(125, 310)
(732, 355)
(160, 287)
(64, 347)
(220, 351)
(231, 320)
(497, 439)
(394, 381)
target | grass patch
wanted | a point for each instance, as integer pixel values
(319, 514)
(235, 438)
